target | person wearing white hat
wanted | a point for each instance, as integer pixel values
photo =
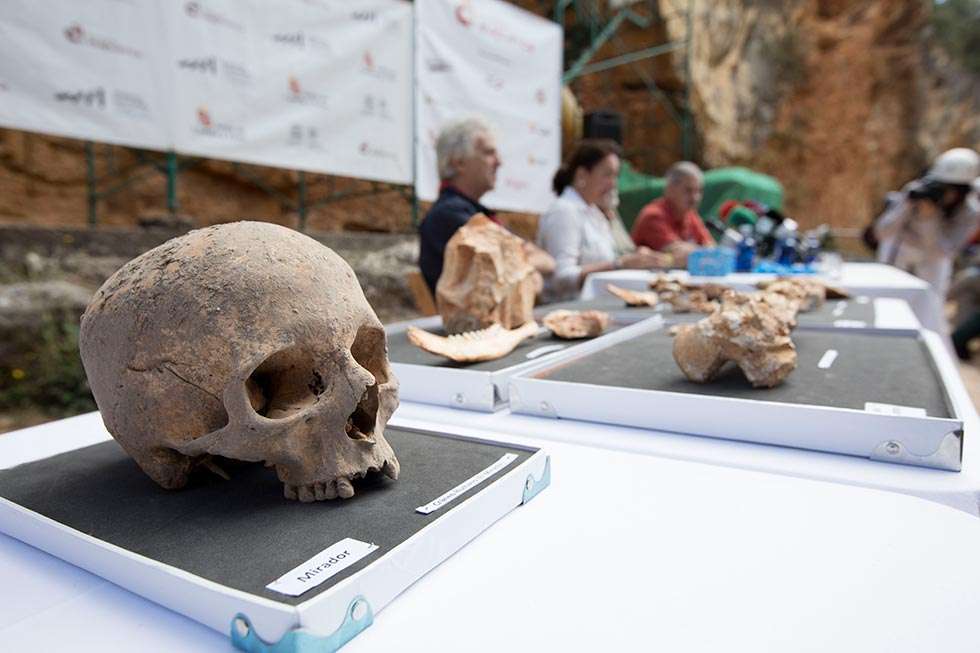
(932, 219)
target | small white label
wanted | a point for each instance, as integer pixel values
(840, 308)
(850, 324)
(863, 299)
(827, 359)
(322, 566)
(894, 409)
(466, 485)
(541, 351)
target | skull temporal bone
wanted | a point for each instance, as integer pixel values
(248, 341)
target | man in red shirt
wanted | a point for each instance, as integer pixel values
(671, 223)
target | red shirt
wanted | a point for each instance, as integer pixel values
(657, 227)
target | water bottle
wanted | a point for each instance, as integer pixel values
(745, 253)
(786, 251)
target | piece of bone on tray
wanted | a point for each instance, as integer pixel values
(811, 293)
(473, 346)
(745, 330)
(633, 297)
(572, 325)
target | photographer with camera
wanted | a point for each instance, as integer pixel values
(932, 219)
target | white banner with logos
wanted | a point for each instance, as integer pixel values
(317, 85)
(85, 70)
(491, 59)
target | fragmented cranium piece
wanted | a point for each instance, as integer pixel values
(633, 297)
(745, 330)
(784, 307)
(665, 283)
(686, 298)
(486, 279)
(474, 346)
(248, 341)
(691, 301)
(810, 293)
(576, 324)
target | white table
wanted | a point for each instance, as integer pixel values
(623, 550)
(874, 279)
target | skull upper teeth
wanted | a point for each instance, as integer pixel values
(339, 487)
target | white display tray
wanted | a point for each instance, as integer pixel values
(326, 620)
(926, 441)
(469, 387)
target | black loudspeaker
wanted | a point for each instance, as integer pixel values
(604, 124)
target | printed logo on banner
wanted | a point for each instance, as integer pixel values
(94, 98)
(515, 184)
(462, 13)
(233, 72)
(306, 136)
(364, 16)
(375, 152)
(205, 65)
(199, 10)
(372, 68)
(438, 65)
(130, 104)
(536, 161)
(496, 82)
(538, 130)
(206, 126)
(319, 4)
(77, 34)
(375, 106)
(468, 18)
(301, 41)
(297, 95)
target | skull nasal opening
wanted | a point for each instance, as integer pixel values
(370, 352)
(284, 384)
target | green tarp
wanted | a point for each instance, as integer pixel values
(636, 190)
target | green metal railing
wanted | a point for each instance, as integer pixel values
(147, 165)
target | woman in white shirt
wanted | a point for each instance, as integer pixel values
(575, 231)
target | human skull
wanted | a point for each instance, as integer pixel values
(248, 341)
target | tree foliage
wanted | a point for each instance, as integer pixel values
(956, 25)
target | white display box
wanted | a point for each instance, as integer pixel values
(482, 387)
(828, 410)
(253, 619)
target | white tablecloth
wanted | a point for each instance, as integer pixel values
(622, 551)
(874, 279)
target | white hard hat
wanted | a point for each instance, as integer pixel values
(961, 165)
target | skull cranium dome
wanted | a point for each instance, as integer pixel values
(248, 341)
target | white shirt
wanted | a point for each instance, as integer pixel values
(575, 234)
(925, 248)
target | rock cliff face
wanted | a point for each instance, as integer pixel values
(842, 100)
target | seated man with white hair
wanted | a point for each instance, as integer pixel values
(467, 157)
(671, 223)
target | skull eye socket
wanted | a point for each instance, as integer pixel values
(370, 350)
(284, 384)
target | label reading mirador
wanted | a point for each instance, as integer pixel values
(322, 566)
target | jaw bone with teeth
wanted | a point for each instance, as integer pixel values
(247, 341)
